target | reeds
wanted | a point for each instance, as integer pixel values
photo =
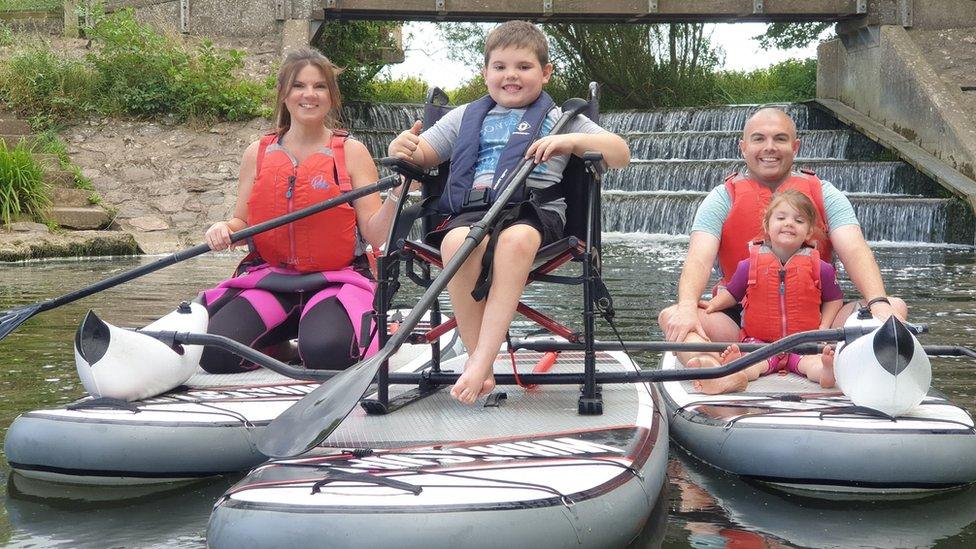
(22, 186)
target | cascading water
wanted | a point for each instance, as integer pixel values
(678, 155)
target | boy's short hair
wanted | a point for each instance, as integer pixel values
(518, 34)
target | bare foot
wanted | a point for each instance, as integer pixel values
(732, 383)
(827, 379)
(477, 380)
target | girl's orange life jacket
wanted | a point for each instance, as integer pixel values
(781, 299)
(744, 223)
(325, 241)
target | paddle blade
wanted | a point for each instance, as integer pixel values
(886, 370)
(14, 318)
(313, 418)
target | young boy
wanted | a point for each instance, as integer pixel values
(516, 67)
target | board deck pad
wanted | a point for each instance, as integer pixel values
(440, 418)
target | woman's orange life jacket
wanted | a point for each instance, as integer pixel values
(744, 223)
(781, 299)
(324, 241)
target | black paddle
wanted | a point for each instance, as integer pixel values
(797, 343)
(14, 318)
(310, 420)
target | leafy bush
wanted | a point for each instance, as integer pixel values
(209, 90)
(132, 70)
(357, 47)
(22, 187)
(791, 80)
(143, 72)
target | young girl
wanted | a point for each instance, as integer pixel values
(784, 288)
(309, 278)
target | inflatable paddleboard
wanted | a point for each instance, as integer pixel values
(788, 431)
(206, 427)
(524, 471)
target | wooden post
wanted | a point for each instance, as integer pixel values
(71, 18)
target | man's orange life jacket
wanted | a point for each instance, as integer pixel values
(744, 223)
(325, 241)
(781, 299)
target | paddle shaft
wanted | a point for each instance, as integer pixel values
(438, 378)
(476, 234)
(382, 184)
(313, 418)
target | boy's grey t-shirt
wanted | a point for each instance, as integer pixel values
(495, 131)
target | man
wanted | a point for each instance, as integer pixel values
(731, 215)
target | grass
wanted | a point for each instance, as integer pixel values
(22, 187)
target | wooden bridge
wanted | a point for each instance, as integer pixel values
(598, 11)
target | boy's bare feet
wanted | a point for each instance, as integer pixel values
(477, 380)
(827, 379)
(732, 383)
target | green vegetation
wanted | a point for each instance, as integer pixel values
(22, 187)
(358, 47)
(646, 66)
(402, 90)
(789, 81)
(48, 142)
(792, 35)
(6, 35)
(132, 70)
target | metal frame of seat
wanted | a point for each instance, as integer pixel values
(581, 184)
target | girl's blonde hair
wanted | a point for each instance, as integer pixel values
(799, 202)
(295, 61)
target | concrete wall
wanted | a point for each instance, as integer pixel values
(222, 17)
(892, 83)
(944, 14)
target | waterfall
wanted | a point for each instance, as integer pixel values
(716, 145)
(702, 175)
(681, 154)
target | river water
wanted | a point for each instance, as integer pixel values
(702, 508)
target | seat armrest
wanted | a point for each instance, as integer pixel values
(404, 168)
(594, 162)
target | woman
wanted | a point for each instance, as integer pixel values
(310, 277)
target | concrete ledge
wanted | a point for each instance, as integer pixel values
(893, 85)
(908, 151)
(18, 246)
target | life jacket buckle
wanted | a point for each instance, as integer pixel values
(477, 197)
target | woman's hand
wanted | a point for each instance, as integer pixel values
(218, 236)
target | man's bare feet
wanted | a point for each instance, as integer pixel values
(477, 381)
(827, 379)
(732, 383)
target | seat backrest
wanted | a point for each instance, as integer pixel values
(435, 107)
(576, 184)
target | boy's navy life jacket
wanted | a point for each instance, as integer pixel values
(459, 194)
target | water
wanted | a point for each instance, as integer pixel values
(702, 508)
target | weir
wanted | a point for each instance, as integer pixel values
(678, 155)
